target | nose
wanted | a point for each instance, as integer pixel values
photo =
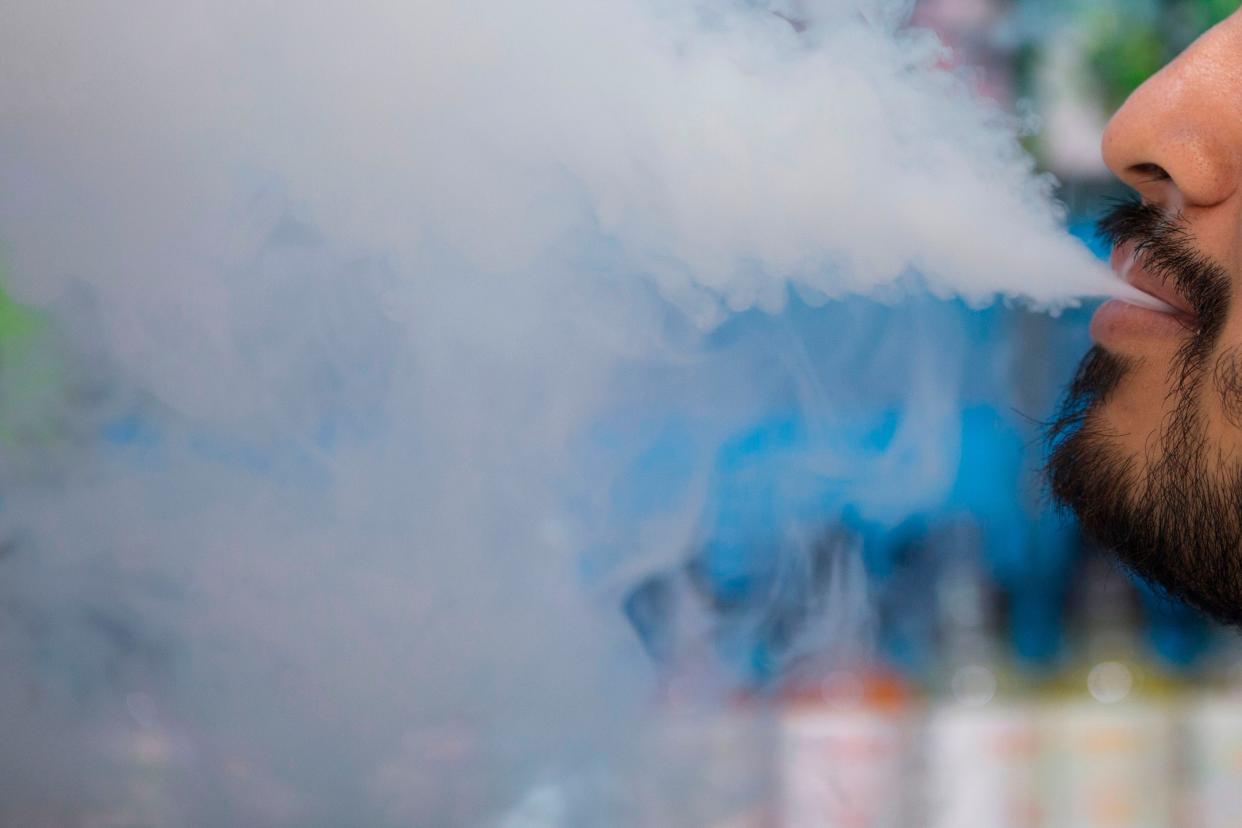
(1178, 139)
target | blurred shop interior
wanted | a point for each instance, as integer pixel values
(1014, 675)
(1002, 662)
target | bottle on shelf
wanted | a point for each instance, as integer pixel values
(844, 739)
(1211, 790)
(978, 744)
(1107, 725)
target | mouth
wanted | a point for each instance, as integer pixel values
(1124, 323)
(1131, 268)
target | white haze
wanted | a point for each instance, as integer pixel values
(352, 285)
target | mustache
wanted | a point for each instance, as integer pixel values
(1167, 248)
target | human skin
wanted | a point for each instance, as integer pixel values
(1177, 141)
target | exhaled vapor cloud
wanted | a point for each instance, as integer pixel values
(346, 296)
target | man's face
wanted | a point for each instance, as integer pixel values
(1148, 449)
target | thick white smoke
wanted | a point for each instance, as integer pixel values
(365, 312)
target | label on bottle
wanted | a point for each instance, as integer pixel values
(980, 766)
(1107, 765)
(1213, 756)
(843, 767)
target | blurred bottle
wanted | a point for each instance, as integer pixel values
(1106, 728)
(703, 761)
(1212, 785)
(979, 743)
(844, 749)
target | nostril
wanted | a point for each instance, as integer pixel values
(1149, 173)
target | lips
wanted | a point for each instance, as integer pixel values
(1126, 327)
(1131, 268)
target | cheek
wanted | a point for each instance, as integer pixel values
(1227, 385)
(1223, 401)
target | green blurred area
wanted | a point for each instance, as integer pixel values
(1130, 41)
(17, 322)
(1067, 65)
(30, 374)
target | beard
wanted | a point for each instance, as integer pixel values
(1174, 519)
(1176, 523)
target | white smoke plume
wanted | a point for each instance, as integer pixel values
(365, 311)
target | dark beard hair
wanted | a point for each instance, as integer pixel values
(1178, 522)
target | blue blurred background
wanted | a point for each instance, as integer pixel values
(1062, 67)
(992, 630)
